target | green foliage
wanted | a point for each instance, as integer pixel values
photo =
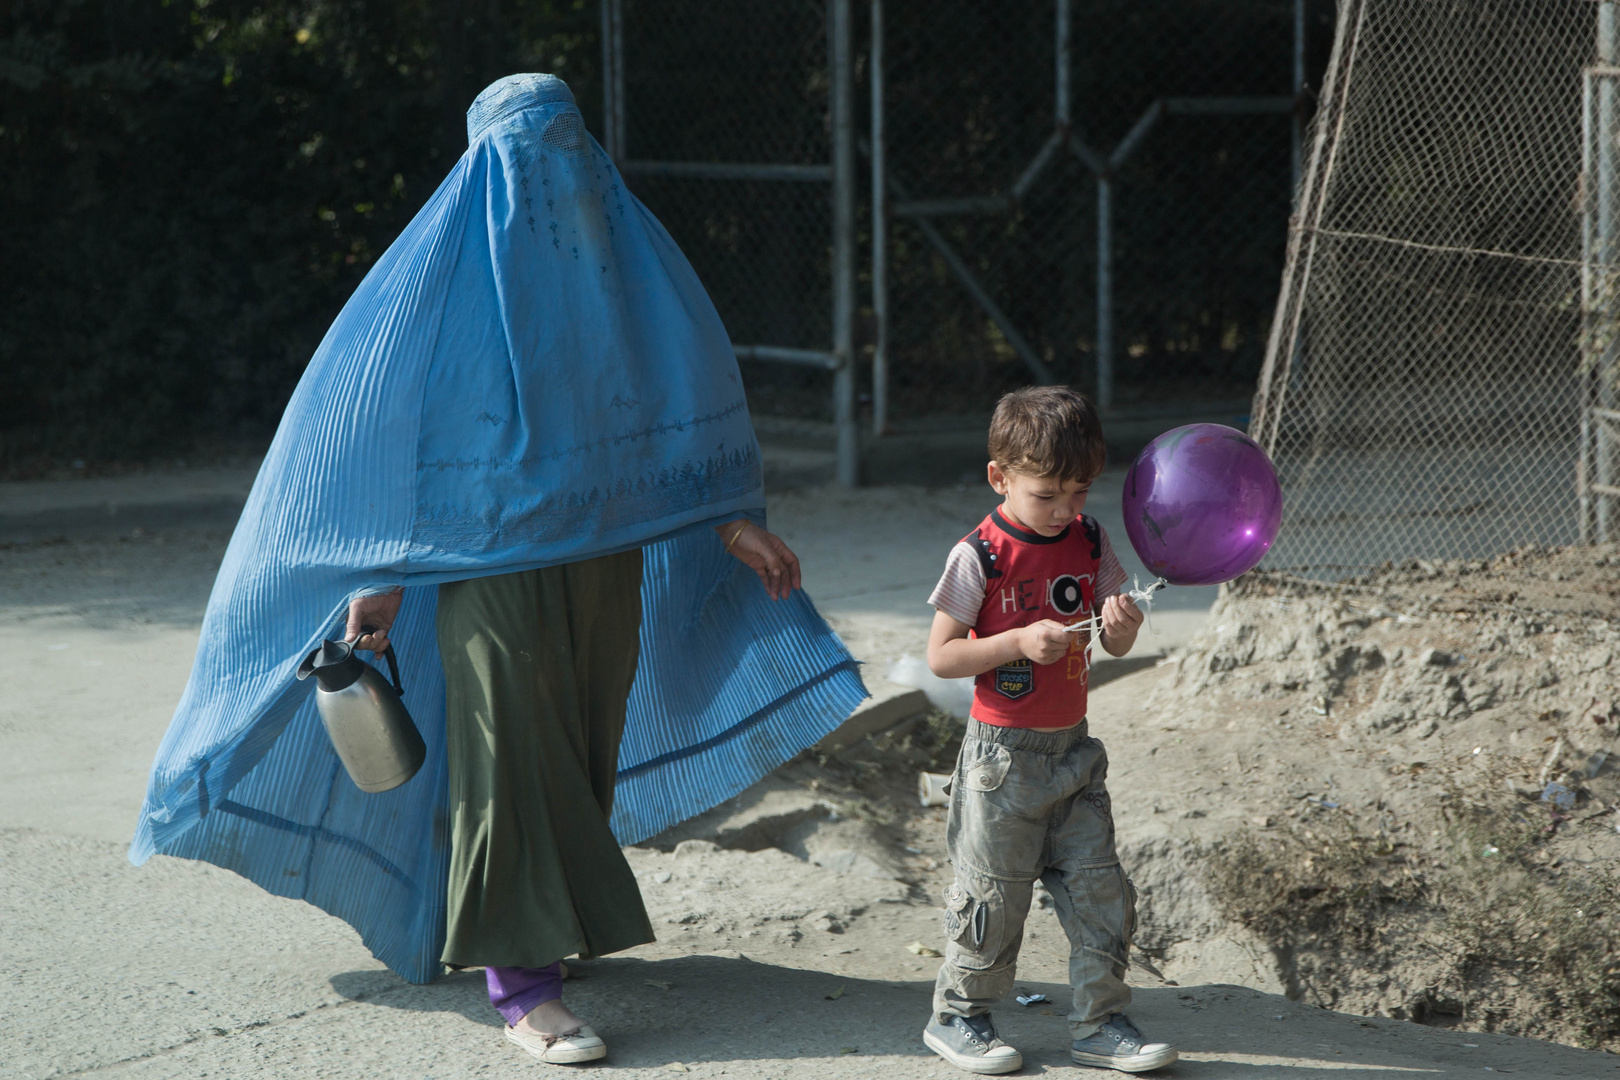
(191, 188)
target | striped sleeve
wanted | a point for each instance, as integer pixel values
(1110, 574)
(960, 592)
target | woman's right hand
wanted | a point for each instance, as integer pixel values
(378, 610)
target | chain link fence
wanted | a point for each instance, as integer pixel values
(1442, 338)
(739, 84)
(720, 121)
(1084, 191)
(1093, 192)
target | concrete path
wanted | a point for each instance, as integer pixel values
(179, 969)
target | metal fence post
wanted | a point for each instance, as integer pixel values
(613, 78)
(1588, 354)
(880, 234)
(1297, 148)
(1105, 291)
(842, 95)
(1061, 68)
(1604, 354)
(1283, 345)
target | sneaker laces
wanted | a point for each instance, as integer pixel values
(981, 1031)
(1122, 1030)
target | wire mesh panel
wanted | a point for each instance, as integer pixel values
(734, 83)
(1113, 175)
(1424, 384)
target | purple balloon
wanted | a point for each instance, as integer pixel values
(1202, 504)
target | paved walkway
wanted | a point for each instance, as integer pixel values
(183, 970)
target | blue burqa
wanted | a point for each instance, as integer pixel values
(530, 375)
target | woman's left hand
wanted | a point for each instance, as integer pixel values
(764, 553)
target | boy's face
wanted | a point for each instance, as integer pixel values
(1042, 504)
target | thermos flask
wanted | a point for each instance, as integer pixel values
(364, 716)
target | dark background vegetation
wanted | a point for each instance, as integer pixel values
(192, 188)
(189, 190)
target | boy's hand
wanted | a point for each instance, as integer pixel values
(1121, 619)
(1044, 642)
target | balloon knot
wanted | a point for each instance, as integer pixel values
(1143, 598)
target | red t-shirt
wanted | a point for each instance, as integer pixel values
(1028, 577)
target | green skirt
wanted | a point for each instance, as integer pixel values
(537, 668)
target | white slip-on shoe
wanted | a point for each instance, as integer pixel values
(569, 1048)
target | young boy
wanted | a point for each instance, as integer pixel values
(1027, 799)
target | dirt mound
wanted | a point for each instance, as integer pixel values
(1391, 796)
(1398, 792)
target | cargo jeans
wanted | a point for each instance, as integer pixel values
(1026, 805)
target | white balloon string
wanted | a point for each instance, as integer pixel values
(1143, 598)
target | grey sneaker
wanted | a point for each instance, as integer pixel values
(1119, 1045)
(971, 1043)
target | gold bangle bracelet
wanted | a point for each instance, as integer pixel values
(740, 529)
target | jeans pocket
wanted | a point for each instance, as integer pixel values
(958, 918)
(975, 923)
(987, 772)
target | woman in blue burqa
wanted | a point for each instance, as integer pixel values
(523, 455)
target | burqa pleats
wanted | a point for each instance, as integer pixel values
(530, 376)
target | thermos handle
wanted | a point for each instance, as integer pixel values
(393, 665)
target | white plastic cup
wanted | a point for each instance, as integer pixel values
(931, 789)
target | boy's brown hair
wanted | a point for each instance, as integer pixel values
(1047, 431)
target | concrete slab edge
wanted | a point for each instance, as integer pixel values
(874, 715)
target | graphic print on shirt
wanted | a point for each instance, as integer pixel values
(1066, 596)
(1016, 679)
(1037, 577)
(1002, 577)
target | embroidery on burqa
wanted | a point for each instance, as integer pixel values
(726, 474)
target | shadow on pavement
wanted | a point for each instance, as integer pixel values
(730, 1010)
(461, 992)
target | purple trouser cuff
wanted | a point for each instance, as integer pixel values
(516, 990)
